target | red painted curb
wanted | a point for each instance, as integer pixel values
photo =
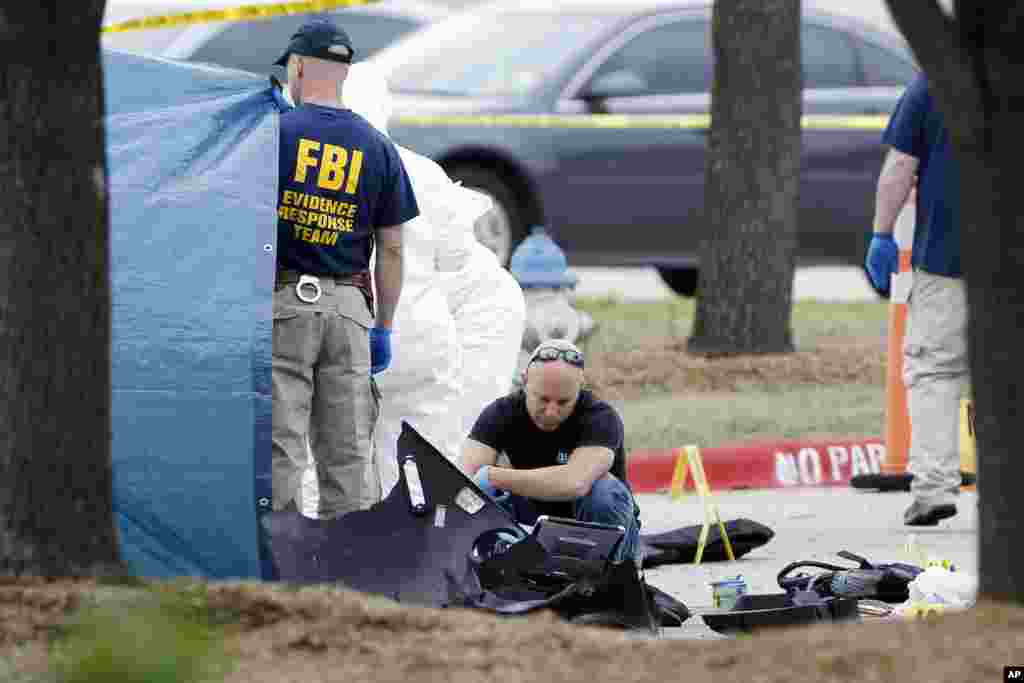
(768, 465)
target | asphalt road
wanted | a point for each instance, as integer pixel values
(644, 284)
(809, 524)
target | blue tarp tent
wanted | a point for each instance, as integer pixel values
(192, 162)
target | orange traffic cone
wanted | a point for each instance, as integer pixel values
(897, 417)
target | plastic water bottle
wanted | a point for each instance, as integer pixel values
(413, 484)
(725, 593)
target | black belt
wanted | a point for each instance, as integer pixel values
(288, 277)
(360, 280)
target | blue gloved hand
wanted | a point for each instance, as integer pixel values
(882, 260)
(277, 90)
(380, 349)
(482, 479)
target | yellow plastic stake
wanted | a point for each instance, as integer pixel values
(711, 514)
(968, 438)
(678, 486)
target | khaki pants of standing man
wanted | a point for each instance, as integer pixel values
(322, 391)
(935, 373)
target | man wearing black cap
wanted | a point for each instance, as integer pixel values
(342, 190)
(566, 449)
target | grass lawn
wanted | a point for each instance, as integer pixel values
(834, 385)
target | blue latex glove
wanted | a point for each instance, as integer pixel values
(277, 90)
(380, 349)
(882, 260)
(482, 479)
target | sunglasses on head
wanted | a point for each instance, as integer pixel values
(550, 353)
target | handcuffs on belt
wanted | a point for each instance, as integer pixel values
(314, 282)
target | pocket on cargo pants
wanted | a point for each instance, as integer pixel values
(295, 343)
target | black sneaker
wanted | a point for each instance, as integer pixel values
(922, 514)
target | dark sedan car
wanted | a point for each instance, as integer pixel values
(590, 117)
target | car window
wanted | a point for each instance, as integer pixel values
(829, 58)
(489, 52)
(255, 45)
(671, 58)
(883, 68)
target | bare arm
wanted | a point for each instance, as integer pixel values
(475, 455)
(894, 185)
(565, 482)
(387, 273)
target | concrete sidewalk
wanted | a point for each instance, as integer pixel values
(809, 524)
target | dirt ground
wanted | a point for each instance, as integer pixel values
(279, 635)
(669, 368)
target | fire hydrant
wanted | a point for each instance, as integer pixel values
(541, 269)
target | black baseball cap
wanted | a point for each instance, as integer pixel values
(320, 38)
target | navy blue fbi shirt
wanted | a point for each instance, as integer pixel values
(506, 427)
(340, 180)
(916, 128)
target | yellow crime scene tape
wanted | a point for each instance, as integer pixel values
(239, 13)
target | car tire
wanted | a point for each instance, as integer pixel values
(682, 281)
(504, 227)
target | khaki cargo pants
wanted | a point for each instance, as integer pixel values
(935, 373)
(322, 391)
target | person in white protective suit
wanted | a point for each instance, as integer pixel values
(489, 310)
(459, 322)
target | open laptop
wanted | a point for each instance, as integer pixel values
(577, 548)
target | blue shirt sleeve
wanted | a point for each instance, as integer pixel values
(604, 428)
(489, 428)
(906, 129)
(398, 201)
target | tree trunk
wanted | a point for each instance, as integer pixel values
(994, 258)
(975, 67)
(55, 471)
(753, 179)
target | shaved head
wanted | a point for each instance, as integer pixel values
(315, 80)
(552, 388)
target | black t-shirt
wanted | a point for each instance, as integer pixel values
(506, 427)
(340, 180)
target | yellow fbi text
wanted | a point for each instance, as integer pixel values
(331, 165)
(317, 220)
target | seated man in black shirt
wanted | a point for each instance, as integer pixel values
(564, 445)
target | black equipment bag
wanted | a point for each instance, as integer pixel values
(426, 559)
(886, 582)
(521, 580)
(680, 545)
